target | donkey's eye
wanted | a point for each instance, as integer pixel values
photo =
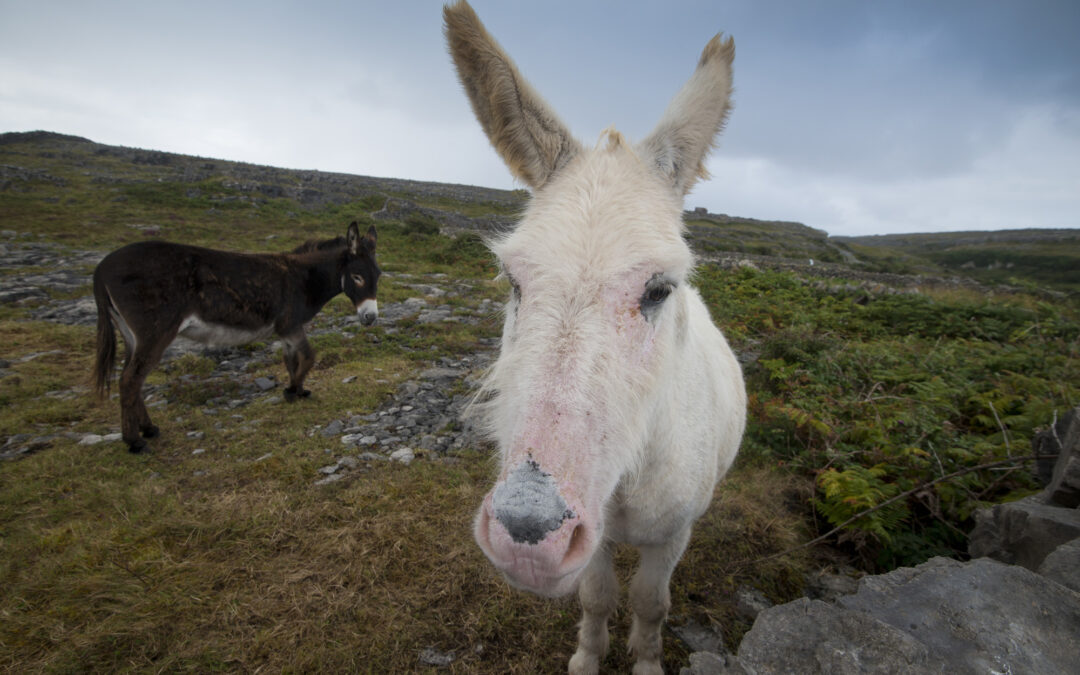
(656, 291)
(656, 295)
(358, 280)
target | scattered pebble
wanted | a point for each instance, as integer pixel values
(264, 383)
(433, 657)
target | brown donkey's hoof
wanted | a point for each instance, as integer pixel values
(137, 446)
(150, 431)
(291, 394)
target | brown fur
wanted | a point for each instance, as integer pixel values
(154, 287)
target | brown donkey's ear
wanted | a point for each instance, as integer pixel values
(352, 239)
(370, 239)
(525, 132)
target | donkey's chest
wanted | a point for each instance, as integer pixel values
(221, 334)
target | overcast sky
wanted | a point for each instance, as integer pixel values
(852, 116)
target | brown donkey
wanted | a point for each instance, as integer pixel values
(155, 290)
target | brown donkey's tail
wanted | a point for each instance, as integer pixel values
(106, 340)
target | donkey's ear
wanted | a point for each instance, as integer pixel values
(352, 239)
(685, 135)
(369, 239)
(525, 132)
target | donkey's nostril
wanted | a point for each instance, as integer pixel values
(578, 547)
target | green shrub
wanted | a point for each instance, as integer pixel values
(877, 399)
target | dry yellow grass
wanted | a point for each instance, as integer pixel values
(122, 563)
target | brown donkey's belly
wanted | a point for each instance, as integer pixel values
(222, 335)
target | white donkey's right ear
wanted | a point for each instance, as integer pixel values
(525, 132)
(685, 135)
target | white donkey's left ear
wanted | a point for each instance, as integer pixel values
(526, 133)
(685, 135)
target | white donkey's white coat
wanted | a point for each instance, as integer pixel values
(615, 402)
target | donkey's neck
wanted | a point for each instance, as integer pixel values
(320, 278)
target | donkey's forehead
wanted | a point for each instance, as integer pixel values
(605, 212)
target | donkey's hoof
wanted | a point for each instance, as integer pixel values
(150, 431)
(291, 394)
(583, 663)
(136, 446)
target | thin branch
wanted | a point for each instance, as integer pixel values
(142, 580)
(1004, 434)
(895, 498)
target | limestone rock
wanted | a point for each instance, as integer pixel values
(978, 617)
(943, 616)
(811, 636)
(749, 602)
(708, 663)
(1063, 565)
(1023, 532)
(699, 638)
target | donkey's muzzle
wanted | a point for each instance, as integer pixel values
(530, 532)
(368, 311)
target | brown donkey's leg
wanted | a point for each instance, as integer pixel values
(134, 418)
(299, 357)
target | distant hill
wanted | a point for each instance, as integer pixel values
(43, 167)
(1049, 258)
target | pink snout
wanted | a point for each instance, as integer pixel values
(533, 535)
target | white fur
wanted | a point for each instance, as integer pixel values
(369, 306)
(634, 415)
(122, 324)
(220, 335)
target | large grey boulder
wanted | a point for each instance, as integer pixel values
(1023, 532)
(1063, 565)
(940, 617)
(811, 636)
(979, 617)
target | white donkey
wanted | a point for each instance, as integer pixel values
(615, 402)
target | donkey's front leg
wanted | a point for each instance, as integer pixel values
(299, 357)
(650, 597)
(599, 594)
